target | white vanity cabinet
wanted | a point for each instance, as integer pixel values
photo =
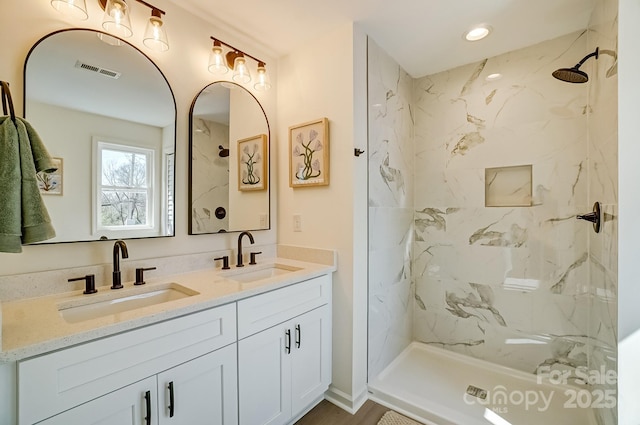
(204, 390)
(127, 406)
(100, 370)
(263, 359)
(284, 352)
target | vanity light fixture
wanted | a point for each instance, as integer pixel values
(220, 63)
(477, 33)
(116, 21)
(74, 8)
(217, 65)
(264, 82)
(241, 73)
(116, 18)
(155, 36)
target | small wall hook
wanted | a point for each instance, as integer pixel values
(358, 152)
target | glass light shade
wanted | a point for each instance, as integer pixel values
(263, 82)
(217, 64)
(74, 8)
(116, 18)
(155, 36)
(241, 73)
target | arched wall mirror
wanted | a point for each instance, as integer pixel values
(229, 167)
(109, 115)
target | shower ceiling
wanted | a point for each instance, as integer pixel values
(424, 36)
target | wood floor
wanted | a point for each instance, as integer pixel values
(326, 413)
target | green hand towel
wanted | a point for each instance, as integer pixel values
(23, 216)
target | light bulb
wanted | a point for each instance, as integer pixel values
(477, 33)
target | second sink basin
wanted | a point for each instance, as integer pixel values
(250, 274)
(92, 308)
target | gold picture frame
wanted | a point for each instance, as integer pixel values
(309, 154)
(51, 183)
(252, 163)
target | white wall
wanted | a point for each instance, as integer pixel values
(629, 207)
(75, 146)
(327, 78)
(185, 67)
(245, 120)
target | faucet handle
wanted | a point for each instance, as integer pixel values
(140, 275)
(89, 283)
(252, 257)
(225, 262)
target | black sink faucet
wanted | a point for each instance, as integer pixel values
(239, 262)
(118, 247)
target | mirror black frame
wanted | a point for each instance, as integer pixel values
(190, 197)
(175, 131)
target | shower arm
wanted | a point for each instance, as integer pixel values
(590, 55)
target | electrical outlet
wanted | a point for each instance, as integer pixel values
(297, 223)
(263, 221)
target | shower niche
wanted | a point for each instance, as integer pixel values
(508, 186)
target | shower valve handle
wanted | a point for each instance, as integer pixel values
(591, 217)
(594, 217)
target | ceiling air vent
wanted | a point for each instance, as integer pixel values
(104, 71)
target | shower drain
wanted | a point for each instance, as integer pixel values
(477, 392)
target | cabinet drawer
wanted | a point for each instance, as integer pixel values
(55, 382)
(265, 310)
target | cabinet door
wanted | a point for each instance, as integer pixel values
(264, 377)
(201, 391)
(130, 405)
(311, 357)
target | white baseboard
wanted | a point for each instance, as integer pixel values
(346, 401)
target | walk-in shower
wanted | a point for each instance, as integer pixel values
(479, 310)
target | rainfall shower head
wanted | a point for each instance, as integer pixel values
(571, 75)
(224, 152)
(574, 75)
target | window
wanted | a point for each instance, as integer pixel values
(124, 187)
(170, 172)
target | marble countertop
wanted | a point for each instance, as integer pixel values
(34, 326)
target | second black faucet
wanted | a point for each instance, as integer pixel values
(239, 263)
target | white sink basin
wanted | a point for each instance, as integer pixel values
(102, 305)
(251, 274)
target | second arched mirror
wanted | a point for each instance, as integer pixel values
(229, 167)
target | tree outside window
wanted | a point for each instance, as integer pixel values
(125, 186)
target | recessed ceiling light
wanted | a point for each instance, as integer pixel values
(477, 33)
(493, 77)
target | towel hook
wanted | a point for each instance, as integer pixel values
(6, 98)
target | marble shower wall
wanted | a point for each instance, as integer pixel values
(603, 187)
(505, 284)
(210, 187)
(391, 203)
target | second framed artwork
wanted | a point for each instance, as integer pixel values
(309, 154)
(252, 163)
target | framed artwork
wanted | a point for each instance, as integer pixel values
(51, 183)
(309, 154)
(252, 163)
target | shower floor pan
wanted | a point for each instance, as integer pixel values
(439, 387)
